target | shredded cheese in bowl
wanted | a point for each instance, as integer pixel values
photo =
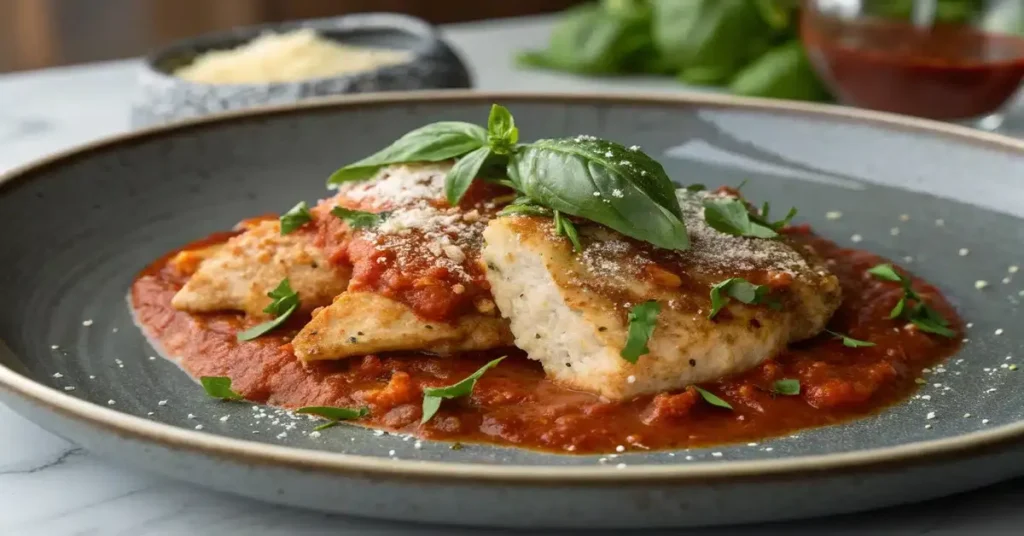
(287, 57)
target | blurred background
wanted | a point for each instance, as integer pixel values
(45, 33)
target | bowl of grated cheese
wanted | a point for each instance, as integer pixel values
(288, 62)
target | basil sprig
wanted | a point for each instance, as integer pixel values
(473, 145)
(911, 307)
(219, 387)
(586, 177)
(604, 182)
(741, 290)
(286, 301)
(432, 396)
(642, 320)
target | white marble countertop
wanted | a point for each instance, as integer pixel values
(50, 487)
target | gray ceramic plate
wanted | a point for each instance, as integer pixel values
(78, 226)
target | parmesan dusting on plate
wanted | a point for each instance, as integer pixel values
(286, 57)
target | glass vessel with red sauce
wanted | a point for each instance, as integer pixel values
(951, 60)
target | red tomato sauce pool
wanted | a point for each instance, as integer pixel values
(513, 404)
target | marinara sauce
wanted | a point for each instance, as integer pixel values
(514, 404)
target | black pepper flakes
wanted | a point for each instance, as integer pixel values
(353, 340)
(602, 328)
(693, 362)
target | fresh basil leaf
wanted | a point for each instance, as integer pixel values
(431, 143)
(284, 298)
(642, 320)
(285, 302)
(885, 272)
(788, 387)
(564, 227)
(219, 387)
(590, 39)
(432, 396)
(850, 342)
(502, 134)
(261, 329)
(783, 72)
(710, 40)
(430, 406)
(461, 176)
(712, 398)
(296, 217)
(334, 414)
(604, 182)
(357, 219)
(730, 216)
(741, 290)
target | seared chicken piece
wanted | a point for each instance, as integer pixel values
(417, 281)
(570, 310)
(238, 275)
(360, 323)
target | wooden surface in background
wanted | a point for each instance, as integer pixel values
(44, 33)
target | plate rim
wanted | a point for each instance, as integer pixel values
(238, 450)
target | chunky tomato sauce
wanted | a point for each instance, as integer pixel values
(514, 404)
(433, 268)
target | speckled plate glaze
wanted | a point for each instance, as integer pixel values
(80, 225)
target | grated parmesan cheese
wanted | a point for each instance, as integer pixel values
(287, 57)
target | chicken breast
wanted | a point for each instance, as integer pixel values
(417, 281)
(360, 323)
(238, 275)
(570, 310)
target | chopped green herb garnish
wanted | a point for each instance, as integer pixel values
(911, 307)
(525, 208)
(886, 272)
(642, 320)
(696, 188)
(219, 387)
(850, 342)
(296, 217)
(929, 320)
(564, 227)
(730, 216)
(357, 219)
(334, 414)
(788, 387)
(432, 396)
(712, 398)
(762, 218)
(741, 290)
(286, 301)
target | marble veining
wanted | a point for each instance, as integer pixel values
(51, 487)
